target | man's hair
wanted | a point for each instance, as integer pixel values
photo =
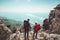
(28, 19)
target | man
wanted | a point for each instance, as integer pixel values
(26, 27)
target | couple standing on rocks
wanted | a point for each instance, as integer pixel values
(27, 27)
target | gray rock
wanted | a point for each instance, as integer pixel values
(4, 32)
(53, 22)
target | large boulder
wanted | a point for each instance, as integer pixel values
(4, 32)
(46, 24)
(54, 20)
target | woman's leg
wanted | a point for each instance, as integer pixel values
(36, 35)
(33, 35)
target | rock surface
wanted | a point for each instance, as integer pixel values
(53, 22)
(41, 36)
(4, 32)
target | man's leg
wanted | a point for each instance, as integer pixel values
(25, 34)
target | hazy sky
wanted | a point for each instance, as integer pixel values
(27, 6)
(23, 9)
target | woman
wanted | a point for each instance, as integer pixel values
(36, 29)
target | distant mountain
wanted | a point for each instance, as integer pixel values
(12, 23)
(39, 17)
